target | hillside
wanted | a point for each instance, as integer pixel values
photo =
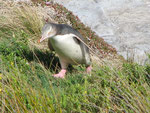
(26, 68)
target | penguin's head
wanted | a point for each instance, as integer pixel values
(48, 31)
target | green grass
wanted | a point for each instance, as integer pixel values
(27, 84)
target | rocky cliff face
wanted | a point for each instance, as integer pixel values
(124, 24)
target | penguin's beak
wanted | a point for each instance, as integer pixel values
(40, 40)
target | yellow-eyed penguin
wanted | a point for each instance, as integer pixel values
(62, 39)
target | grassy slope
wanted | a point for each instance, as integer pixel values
(27, 84)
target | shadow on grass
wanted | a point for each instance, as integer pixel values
(47, 58)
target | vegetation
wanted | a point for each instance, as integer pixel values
(27, 84)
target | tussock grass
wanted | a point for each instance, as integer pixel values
(27, 84)
(21, 16)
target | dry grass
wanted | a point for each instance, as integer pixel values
(22, 16)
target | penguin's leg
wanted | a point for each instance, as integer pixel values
(88, 63)
(63, 71)
(89, 69)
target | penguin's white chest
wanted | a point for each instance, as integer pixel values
(68, 48)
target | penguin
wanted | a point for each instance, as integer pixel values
(62, 39)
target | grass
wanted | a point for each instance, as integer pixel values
(27, 84)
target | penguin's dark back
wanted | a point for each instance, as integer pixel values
(66, 29)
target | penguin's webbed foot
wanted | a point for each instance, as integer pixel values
(61, 74)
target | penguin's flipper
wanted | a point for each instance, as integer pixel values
(84, 48)
(76, 40)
